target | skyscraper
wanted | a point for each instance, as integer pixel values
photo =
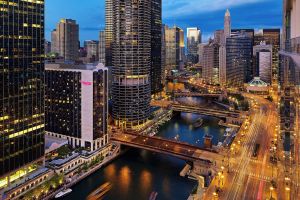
(92, 50)
(194, 38)
(174, 46)
(65, 39)
(238, 60)
(77, 104)
(210, 63)
(227, 24)
(263, 62)
(22, 81)
(272, 37)
(131, 91)
(108, 32)
(102, 47)
(156, 47)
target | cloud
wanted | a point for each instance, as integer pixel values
(175, 8)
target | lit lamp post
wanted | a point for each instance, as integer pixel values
(271, 190)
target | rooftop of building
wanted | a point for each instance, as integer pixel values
(74, 67)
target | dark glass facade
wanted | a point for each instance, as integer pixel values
(63, 102)
(22, 83)
(108, 32)
(238, 60)
(156, 47)
(131, 90)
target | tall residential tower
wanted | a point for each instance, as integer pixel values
(131, 91)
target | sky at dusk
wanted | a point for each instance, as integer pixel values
(206, 14)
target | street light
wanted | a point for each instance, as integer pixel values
(271, 190)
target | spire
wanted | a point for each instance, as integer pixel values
(227, 14)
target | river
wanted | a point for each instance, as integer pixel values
(137, 173)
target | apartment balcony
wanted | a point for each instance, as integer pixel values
(292, 50)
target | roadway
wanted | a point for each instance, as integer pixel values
(248, 177)
(178, 149)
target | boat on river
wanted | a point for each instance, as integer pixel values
(100, 192)
(198, 123)
(153, 195)
(63, 193)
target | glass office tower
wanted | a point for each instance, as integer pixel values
(22, 84)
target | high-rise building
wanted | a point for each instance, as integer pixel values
(222, 50)
(272, 37)
(22, 94)
(219, 37)
(200, 52)
(227, 24)
(156, 47)
(92, 50)
(65, 39)
(131, 91)
(102, 47)
(76, 104)
(289, 77)
(194, 38)
(263, 62)
(108, 32)
(210, 63)
(47, 47)
(238, 60)
(245, 31)
(174, 46)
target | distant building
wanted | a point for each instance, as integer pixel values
(76, 104)
(263, 62)
(210, 63)
(219, 37)
(238, 60)
(174, 47)
(156, 47)
(102, 47)
(272, 37)
(109, 23)
(227, 24)
(65, 39)
(200, 52)
(194, 38)
(92, 50)
(47, 47)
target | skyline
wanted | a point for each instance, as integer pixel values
(244, 15)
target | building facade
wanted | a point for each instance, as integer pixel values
(92, 50)
(156, 46)
(76, 104)
(263, 62)
(210, 63)
(238, 60)
(131, 90)
(194, 38)
(22, 94)
(174, 48)
(227, 24)
(65, 39)
(108, 32)
(102, 47)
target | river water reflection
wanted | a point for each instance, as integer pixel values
(138, 172)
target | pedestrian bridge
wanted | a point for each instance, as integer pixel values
(169, 147)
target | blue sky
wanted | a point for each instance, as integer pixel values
(206, 14)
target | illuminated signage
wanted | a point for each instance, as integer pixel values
(86, 82)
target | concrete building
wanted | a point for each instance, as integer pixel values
(200, 52)
(174, 47)
(210, 63)
(263, 62)
(76, 104)
(65, 39)
(194, 38)
(219, 37)
(102, 47)
(92, 50)
(131, 90)
(238, 60)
